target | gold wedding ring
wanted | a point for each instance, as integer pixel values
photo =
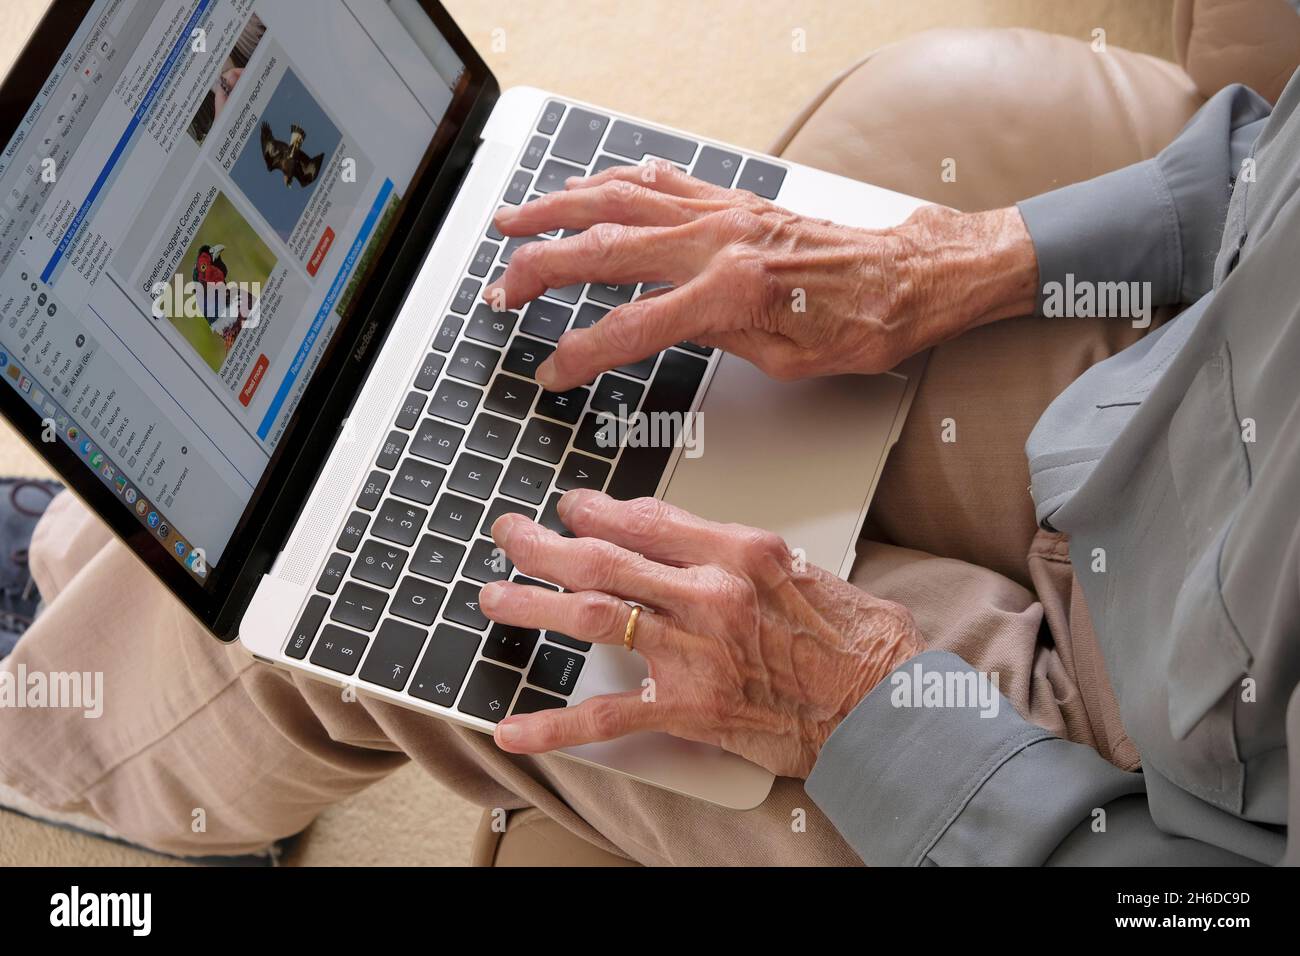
(629, 633)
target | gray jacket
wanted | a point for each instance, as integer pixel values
(1174, 467)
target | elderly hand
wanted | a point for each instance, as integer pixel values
(797, 297)
(746, 650)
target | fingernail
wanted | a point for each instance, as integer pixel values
(490, 595)
(546, 374)
(508, 733)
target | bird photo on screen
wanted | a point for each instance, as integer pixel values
(288, 157)
(224, 307)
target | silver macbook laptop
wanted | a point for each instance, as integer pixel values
(242, 248)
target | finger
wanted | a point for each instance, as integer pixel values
(634, 331)
(598, 718)
(648, 526)
(589, 564)
(587, 615)
(659, 175)
(617, 200)
(607, 253)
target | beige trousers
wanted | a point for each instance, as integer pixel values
(189, 723)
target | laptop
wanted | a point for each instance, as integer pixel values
(242, 250)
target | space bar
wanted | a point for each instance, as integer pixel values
(673, 390)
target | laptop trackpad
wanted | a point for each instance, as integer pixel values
(797, 458)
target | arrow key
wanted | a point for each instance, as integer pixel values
(490, 690)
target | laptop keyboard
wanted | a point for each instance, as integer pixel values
(396, 604)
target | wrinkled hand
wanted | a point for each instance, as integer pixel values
(746, 651)
(796, 296)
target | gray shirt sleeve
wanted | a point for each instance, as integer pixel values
(1158, 221)
(909, 780)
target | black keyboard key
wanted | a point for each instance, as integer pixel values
(673, 390)
(488, 325)
(473, 363)
(510, 645)
(399, 523)
(445, 663)
(437, 441)
(475, 476)
(352, 532)
(379, 564)
(573, 642)
(391, 450)
(763, 179)
(550, 120)
(598, 435)
(308, 625)
(637, 142)
(447, 333)
(417, 600)
(517, 189)
(580, 135)
(589, 315)
(566, 406)
(332, 575)
(466, 296)
(570, 293)
(339, 649)
(372, 492)
(545, 440)
(429, 368)
(616, 395)
(455, 401)
(555, 174)
(487, 563)
(509, 396)
(531, 701)
(409, 412)
(525, 355)
(489, 691)
(641, 369)
(604, 162)
(611, 294)
(492, 435)
(527, 480)
(582, 471)
(358, 606)
(437, 558)
(534, 583)
(546, 320)
(493, 232)
(717, 166)
(393, 655)
(456, 516)
(697, 349)
(551, 516)
(481, 264)
(534, 152)
(514, 243)
(556, 669)
(418, 481)
(463, 607)
(501, 506)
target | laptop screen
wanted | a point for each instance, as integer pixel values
(187, 209)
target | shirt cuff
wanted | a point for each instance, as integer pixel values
(934, 766)
(1120, 227)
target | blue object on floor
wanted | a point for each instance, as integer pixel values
(22, 502)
